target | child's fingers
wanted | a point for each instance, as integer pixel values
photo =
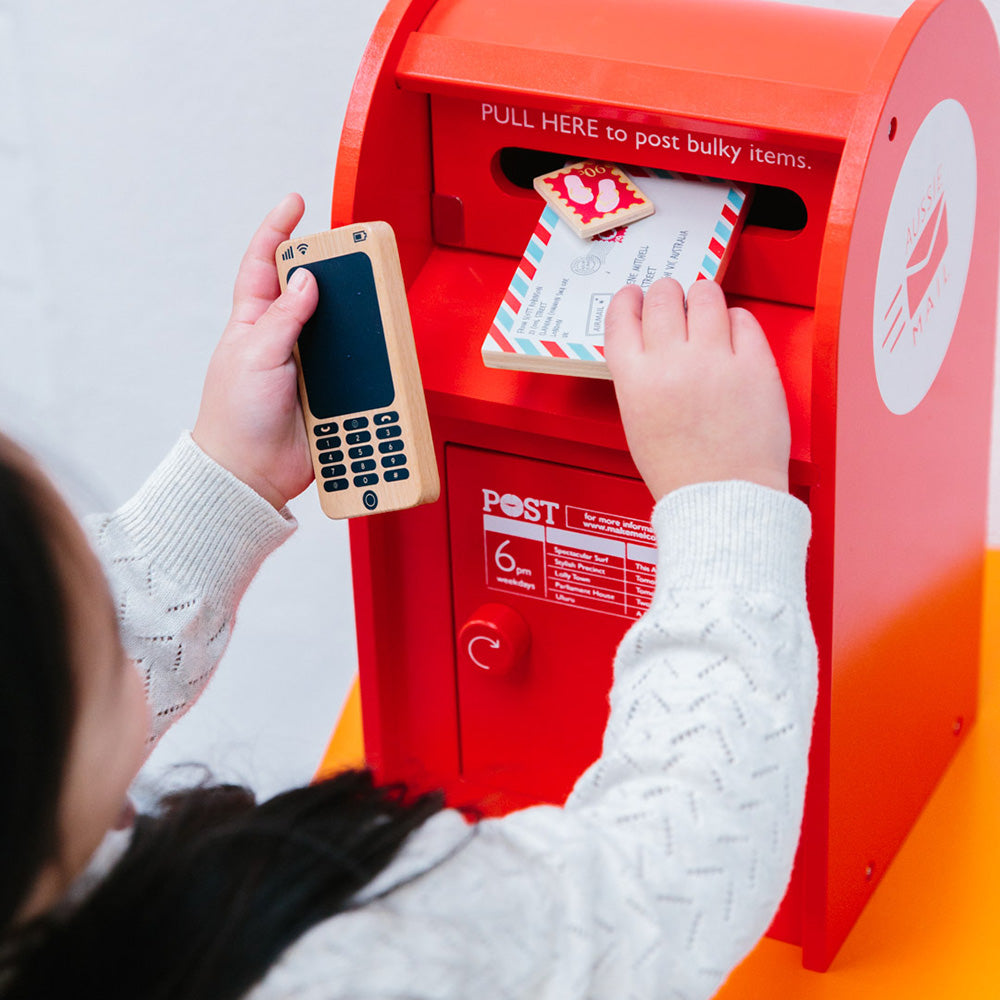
(747, 334)
(275, 333)
(663, 320)
(708, 316)
(623, 328)
(257, 281)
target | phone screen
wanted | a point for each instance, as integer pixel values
(345, 363)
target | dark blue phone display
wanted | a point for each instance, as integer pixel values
(342, 348)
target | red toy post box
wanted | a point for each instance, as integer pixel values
(487, 622)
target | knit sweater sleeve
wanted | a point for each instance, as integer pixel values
(179, 556)
(671, 855)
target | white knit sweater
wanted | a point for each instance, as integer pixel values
(670, 857)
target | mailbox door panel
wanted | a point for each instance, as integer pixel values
(571, 553)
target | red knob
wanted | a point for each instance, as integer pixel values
(495, 639)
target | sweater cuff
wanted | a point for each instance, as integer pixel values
(732, 533)
(196, 520)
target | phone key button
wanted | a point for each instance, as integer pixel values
(361, 451)
(387, 447)
(389, 417)
(395, 475)
(324, 444)
(321, 429)
(388, 432)
(335, 485)
(329, 457)
(391, 461)
(355, 423)
(359, 437)
(365, 466)
(334, 471)
(369, 480)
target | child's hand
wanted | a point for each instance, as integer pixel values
(700, 396)
(250, 421)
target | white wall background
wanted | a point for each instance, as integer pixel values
(140, 145)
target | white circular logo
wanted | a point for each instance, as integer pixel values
(924, 260)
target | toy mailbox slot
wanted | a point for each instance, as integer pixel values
(487, 622)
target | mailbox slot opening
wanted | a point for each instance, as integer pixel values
(775, 208)
(483, 163)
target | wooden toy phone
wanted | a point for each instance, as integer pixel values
(359, 381)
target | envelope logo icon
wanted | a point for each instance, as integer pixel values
(918, 274)
(927, 255)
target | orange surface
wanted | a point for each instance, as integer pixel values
(346, 746)
(933, 926)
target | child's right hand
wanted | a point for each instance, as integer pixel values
(700, 395)
(250, 421)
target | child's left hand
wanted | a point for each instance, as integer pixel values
(250, 421)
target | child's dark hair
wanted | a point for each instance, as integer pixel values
(36, 687)
(213, 887)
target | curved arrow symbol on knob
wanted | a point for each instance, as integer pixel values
(492, 643)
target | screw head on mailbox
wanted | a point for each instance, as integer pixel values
(495, 639)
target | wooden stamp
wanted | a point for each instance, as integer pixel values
(359, 380)
(593, 197)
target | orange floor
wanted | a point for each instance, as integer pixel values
(932, 929)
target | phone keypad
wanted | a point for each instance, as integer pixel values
(366, 467)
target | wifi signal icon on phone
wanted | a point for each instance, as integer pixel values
(289, 252)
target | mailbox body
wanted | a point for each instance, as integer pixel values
(871, 262)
